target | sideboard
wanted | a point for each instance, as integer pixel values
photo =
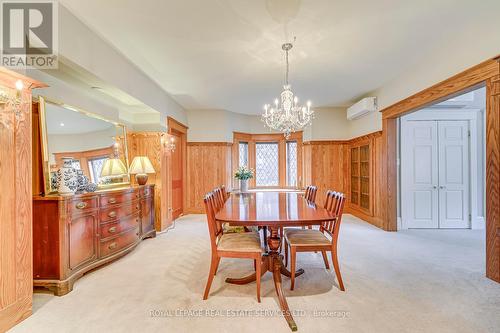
(75, 234)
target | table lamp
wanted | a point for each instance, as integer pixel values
(113, 168)
(141, 166)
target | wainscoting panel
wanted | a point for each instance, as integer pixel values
(149, 144)
(208, 166)
(324, 166)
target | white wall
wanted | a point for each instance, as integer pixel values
(81, 46)
(219, 125)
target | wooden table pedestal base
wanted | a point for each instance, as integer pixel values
(272, 262)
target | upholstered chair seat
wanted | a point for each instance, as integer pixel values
(300, 237)
(240, 242)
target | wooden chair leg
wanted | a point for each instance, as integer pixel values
(258, 273)
(293, 254)
(213, 267)
(217, 266)
(325, 259)
(337, 269)
(285, 244)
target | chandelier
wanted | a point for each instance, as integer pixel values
(286, 115)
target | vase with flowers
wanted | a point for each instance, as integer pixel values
(243, 174)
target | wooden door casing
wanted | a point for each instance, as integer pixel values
(177, 178)
(176, 173)
(16, 267)
(486, 73)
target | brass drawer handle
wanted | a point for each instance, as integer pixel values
(112, 200)
(112, 230)
(137, 220)
(137, 195)
(112, 214)
(137, 207)
(81, 205)
(112, 246)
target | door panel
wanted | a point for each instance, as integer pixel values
(453, 174)
(419, 178)
(177, 176)
(82, 239)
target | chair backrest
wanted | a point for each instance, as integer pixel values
(225, 195)
(214, 226)
(334, 202)
(219, 198)
(310, 194)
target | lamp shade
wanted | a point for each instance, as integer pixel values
(141, 164)
(113, 167)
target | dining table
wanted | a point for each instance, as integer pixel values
(272, 211)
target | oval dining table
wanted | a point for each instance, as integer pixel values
(272, 210)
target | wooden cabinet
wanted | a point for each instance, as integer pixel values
(74, 234)
(360, 173)
(82, 239)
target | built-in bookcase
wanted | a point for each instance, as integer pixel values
(360, 174)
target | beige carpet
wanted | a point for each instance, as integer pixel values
(410, 281)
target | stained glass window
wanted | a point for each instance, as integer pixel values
(266, 164)
(95, 165)
(243, 154)
(291, 163)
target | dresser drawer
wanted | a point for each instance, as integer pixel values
(83, 204)
(118, 243)
(118, 198)
(115, 228)
(117, 212)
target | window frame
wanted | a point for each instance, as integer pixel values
(252, 140)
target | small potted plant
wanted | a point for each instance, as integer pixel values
(243, 174)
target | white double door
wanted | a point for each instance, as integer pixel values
(435, 174)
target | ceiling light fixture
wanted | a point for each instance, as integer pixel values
(287, 115)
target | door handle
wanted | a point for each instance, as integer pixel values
(435, 187)
(442, 187)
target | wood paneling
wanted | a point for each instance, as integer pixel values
(208, 166)
(15, 203)
(324, 166)
(150, 144)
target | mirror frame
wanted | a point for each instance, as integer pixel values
(44, 143)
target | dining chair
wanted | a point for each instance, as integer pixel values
(245, 245)
(324, 239)
(225, 195)
(220, 199)
(310, 193)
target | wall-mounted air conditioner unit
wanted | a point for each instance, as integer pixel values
(362, 108)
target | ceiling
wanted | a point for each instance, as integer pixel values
(226, 54)
(62, 121)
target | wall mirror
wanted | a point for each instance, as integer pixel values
(87, 141)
